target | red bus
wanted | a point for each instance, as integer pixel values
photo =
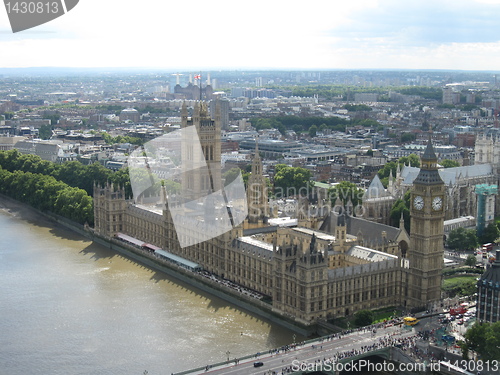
(487, 247)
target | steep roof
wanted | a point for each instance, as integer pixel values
(449, 175)
(369, 254)
(429, 153)
(370, 229)
(375, 190)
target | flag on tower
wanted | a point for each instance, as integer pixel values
(197, 76)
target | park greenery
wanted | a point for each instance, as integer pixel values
(363, 318)
(407, 137)
(345, 93)
(460, 285)
(483, 338)
(490, 233)
(48, 194)
(292, 181)
(462, 239)
(470, 260)
(461, 270)
(467, 239)
(447, 163)
(110, 140)
(401, 207)
(346, 192)
(412, 160)
(65, 189)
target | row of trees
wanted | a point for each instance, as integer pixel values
(72, 173)
(467, 239)
(110, 140)
(330, 92)
(483, 338)
(48, 194)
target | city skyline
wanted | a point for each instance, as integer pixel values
(362, 34)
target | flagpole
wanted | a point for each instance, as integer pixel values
(201, 93)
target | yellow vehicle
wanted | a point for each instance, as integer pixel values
(410, 321)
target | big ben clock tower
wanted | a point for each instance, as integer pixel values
(426, 240)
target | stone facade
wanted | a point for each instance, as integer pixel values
(348, 265)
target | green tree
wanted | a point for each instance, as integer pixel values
(447, 163)
(363, 318)
(54, 119)
(312, 131)
(74, 204)
(407, 137)
(462, 286)
(357, 107)
(346, 191)
(45, 131)
(411, 160)
(484, 338)
(490, 233)
(463, 239)
(282, 129)
(471, 260)
(401, 207)
(292, 181)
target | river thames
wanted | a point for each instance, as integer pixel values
(69, 306)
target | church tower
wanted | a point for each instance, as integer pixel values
(427, 229)
(256, 191)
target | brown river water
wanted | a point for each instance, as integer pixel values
(68, 306)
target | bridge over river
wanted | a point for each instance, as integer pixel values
(367, 347)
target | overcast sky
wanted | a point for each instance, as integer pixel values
(258, 34)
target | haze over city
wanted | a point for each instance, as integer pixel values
(360, 34)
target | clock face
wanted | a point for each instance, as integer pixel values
(418, 202)
(437, 203)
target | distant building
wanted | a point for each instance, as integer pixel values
(377, 202)
(271, 147)
(450, 96)
(324, 268)
(460, 186)
(193, 91)
(47, 150)
(365, 97)
(130, 114)
(9, 142)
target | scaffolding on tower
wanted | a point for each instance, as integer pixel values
(483, 191)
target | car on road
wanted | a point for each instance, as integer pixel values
(258, 364)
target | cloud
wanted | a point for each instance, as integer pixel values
(262, 34)
(423, 23)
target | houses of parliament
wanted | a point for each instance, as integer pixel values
(323, 268)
